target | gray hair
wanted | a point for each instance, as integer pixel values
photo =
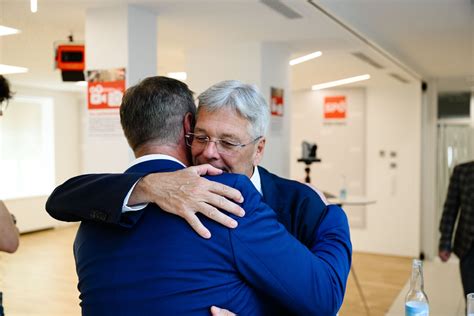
(245, 99)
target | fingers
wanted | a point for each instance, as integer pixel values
(196, 224)
(444, 255)
(217, 216)
(226, 191)
(205, 169)
(222, 203)
(216, 311)
(216, 187)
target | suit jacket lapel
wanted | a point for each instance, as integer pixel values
(269, 188)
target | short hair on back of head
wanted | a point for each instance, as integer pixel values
(243, 98)
(5, 92)
(154, 110)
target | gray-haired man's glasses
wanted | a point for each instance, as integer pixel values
(223, 146)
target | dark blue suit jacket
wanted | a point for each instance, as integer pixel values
(297, 206)
(304, 283)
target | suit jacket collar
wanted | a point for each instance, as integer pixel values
(269, 188)
(155, 165)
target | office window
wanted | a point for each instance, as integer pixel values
(454, 105)
(27, 148)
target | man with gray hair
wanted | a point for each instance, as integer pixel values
(232, 120)
(237, 115)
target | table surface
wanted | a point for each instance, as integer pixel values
(352, 200)
(442, 286)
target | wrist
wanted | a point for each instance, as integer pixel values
(139, 193)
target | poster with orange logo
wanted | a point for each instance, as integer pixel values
(276, 101)
(105, 91)
(105, 88)
(335, 108)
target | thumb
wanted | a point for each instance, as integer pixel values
(215, 310)
(207, 169)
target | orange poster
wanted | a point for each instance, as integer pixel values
(335, 107)
(105, 88)
(276, 99)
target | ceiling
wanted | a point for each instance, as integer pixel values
(434, 37)
(429, 38)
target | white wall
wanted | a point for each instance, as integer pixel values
(341, 145)
(30, 210)
(275, 73)
(122, 36)
(391, 122)
(240, 61)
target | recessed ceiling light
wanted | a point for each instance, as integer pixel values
(34, 6)
(304, 58)
(5, 30)
(340, 82)
(178, 75)
(7, 69)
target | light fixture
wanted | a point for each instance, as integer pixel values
(5, 30)
(34, 6)
(7, 69)
(178, 75)
(304, 58)
(340, 82)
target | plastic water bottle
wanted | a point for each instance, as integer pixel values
(416, 301)
(343, 190)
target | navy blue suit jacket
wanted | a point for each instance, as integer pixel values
(323, 280)
(297, 206)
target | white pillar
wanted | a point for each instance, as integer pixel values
(117, 37)
(263, 64)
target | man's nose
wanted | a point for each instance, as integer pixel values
(210, 151)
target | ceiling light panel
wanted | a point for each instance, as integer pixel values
(304, 58)
(7, 69)
(340, 82)
(5, 30)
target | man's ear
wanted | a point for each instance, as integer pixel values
(188, 123)
(259, 153)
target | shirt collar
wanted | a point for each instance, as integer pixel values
(154, 157)
(256, 180)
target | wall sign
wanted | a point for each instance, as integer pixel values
(105, 88)
(335, 108)
(276, 104)
(105, 91)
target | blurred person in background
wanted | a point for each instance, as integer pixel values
(459, 208)
(9, 239)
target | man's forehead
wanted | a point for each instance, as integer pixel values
(221, 132)
(224, 122)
